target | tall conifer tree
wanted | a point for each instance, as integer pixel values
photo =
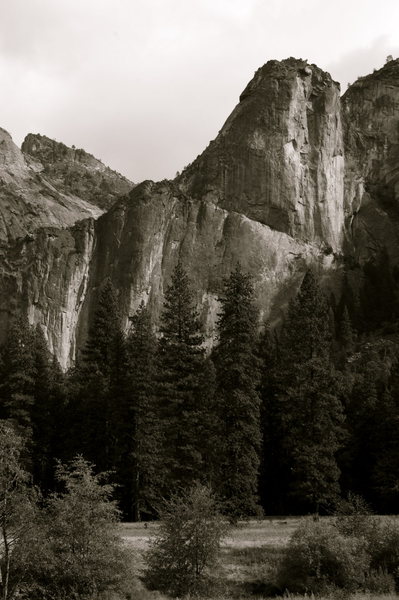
(92, 405)
(310, 408)
(138, 459)
(272, 476)
(237, 397)
(17, 387)
(43, 413)
(179, 366)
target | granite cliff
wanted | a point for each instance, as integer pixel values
(279, 157)
(296, 176)
(47, 208)
(370, 110)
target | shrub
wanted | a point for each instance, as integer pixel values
(76, 551)
(319, 558)
(381, 537)
(380, 582)
(17, 510)
(384, 548)
(353, 517)
(186, 544)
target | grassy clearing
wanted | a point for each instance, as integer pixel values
(250, 554)
(250, 549)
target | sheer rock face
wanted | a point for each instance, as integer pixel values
(274, 191)
(279, 157)
(371, 116)
(47, 236)
(140, 240)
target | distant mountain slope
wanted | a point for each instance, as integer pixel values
(35, 192)
(75, 171)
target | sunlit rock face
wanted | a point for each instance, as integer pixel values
(279, 157)
(46, 233)
(140, 240)
(371, 115)
(296, 177)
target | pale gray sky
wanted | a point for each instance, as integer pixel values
(146, 84)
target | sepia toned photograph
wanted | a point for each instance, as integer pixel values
(199, 300)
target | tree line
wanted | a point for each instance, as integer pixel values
(283, 421)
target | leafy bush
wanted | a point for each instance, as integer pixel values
(186, 544)
(76, 551)
(384, 547)
(18, 509)
(380, 582)
(353, 517)
(319, 557)
(353, 551)
(381, 537)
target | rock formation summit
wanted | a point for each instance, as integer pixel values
(296, 176)
(279, 157)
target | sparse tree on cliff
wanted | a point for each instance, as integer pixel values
(237, 371)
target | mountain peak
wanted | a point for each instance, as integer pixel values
(278, 158)
(288, 68)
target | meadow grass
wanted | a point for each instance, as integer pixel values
(249, 557)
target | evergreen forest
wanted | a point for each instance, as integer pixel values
(274, 421)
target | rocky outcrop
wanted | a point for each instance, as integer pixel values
(47, 235)
(28, 200)
(371, 116)
(46, 276)
(75, 171)
(34, 195)
(279, 157)
(295, 177)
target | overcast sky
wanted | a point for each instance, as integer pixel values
(144, 85)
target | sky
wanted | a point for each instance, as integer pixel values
(144, 85)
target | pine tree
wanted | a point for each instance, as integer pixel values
(30, 398)
(180, 363)
(238, 400)
(366, 416)
(17, 387)
(59, 406)
(43, 417)
(138, 460)
(384, 464)
(92, 406)
(310, 407)
(272, 472)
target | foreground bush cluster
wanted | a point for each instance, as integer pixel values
(351, 553)
(67, 547)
